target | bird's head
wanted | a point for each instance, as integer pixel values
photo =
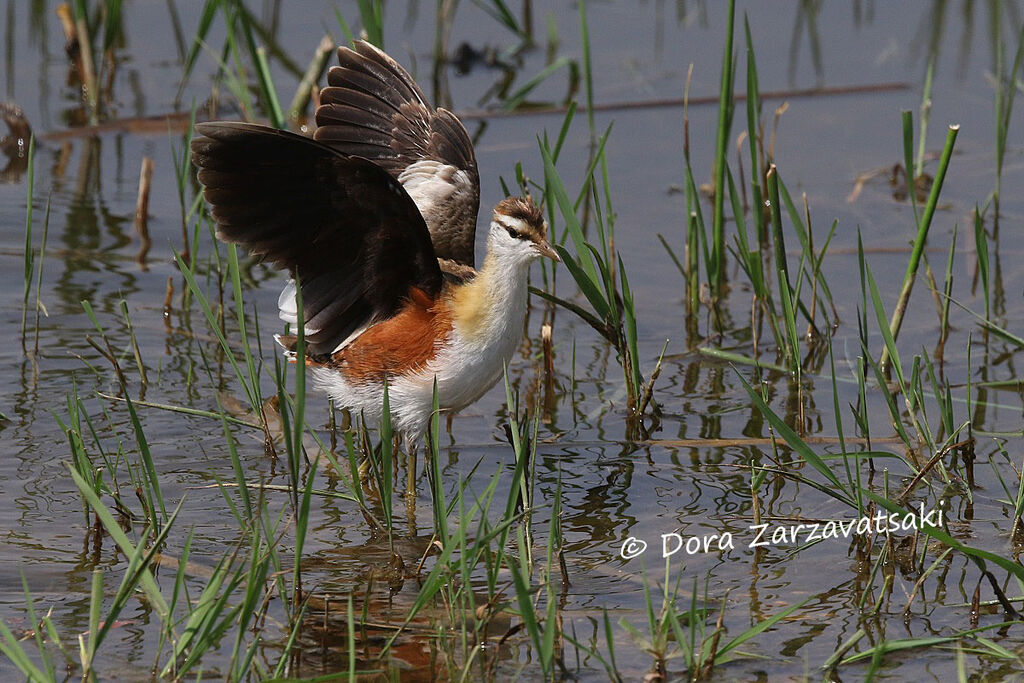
(518, 231)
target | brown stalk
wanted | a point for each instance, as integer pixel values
(307, 86)
(547, 347)
(900, 499)
(109, 354)
(161, 123)
(142, 211)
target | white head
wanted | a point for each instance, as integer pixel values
(519, 232)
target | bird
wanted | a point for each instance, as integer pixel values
(374, 218)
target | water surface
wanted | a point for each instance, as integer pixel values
(687, 477)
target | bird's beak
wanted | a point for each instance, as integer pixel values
(545, 249)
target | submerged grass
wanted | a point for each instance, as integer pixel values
(29, 249)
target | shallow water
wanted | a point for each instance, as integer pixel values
(686, 478)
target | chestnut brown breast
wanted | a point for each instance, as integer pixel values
(401, 344)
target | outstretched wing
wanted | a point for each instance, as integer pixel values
(346, 229)
(372, 108)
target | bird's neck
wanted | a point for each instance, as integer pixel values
(494, 302)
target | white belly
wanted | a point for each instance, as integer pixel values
(487, 329)
(465, 369)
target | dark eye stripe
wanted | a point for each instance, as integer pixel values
(513, 232)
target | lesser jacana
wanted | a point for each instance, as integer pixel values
(375, 218)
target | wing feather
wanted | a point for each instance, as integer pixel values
(428, 150)
(345, 228)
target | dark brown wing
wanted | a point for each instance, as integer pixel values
(372, 108)
(347, 229)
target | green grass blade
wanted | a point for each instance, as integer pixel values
(725, 108)
(209, 11)
(149, 585)
(30, 182)
(922, 235)
(907, 120)
(798, 444)
(758, 628)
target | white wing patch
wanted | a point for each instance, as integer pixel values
(431, 183)
(288, 311)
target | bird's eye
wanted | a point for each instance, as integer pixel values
(513, 233)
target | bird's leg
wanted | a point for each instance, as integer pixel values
(410, 482)
(365, 465)
(364, 472)
(410, 468)
(332, 425)
(398, 441)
